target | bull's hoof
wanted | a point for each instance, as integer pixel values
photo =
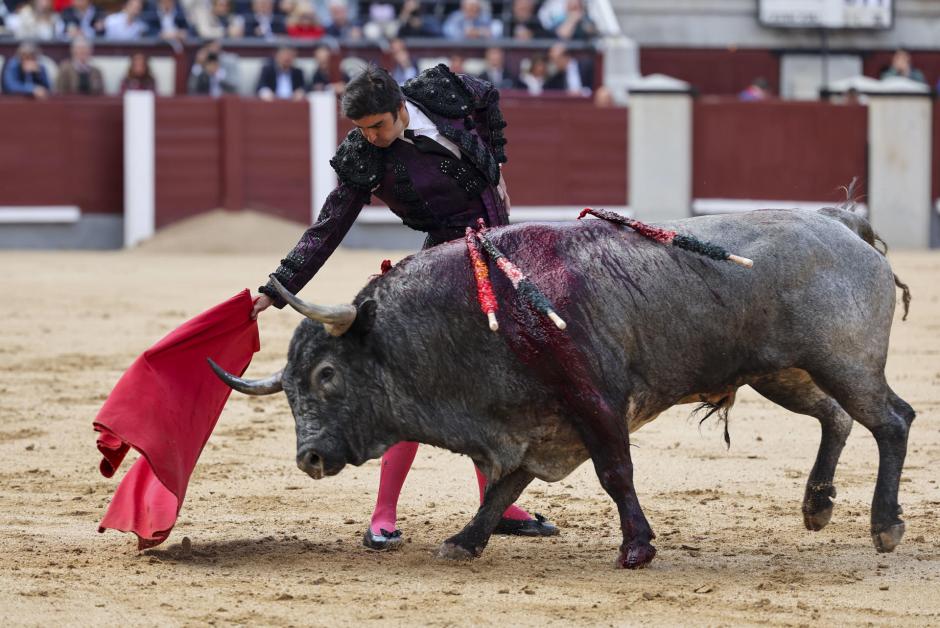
(886, 540)
(452, 551)
(636, 555)
(818, 520)
(817, 506)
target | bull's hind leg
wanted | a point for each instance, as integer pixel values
(794, 390)
(867, 398)
(471, 541)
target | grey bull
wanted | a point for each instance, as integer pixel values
(649, 326)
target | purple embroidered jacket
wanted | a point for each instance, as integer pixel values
(424, 184)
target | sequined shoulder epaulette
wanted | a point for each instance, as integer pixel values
(358, 163)
(441, 92)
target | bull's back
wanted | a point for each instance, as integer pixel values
(815, 284)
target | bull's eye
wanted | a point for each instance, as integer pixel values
(326, 381)
(325, 374)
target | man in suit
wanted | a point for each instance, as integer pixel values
(432, 150)
(77, 75)
(82, 18)
(496, 71)
(166, 20)
(570, 75)
(212, 80)
(263, 22)
(280, 79)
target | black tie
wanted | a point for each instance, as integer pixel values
(426, 145)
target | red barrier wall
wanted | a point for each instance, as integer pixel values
(188, 159)
(231, 153)
(713, 71)
(790, 151)
(575, 154)
(68, 151)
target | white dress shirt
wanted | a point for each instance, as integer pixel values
(422, 125)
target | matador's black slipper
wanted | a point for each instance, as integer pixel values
(383, 541)
(540, 526)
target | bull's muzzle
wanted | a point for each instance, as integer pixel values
(316, 465)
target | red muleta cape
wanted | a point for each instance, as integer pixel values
(165, 406)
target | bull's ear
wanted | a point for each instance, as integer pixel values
(365, 318)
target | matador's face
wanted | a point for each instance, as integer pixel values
(381, 129)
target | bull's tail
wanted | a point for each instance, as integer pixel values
(845, 213)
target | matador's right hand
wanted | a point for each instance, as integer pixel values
(262, 303)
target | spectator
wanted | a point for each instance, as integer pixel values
(576, 23)
(901, 66)
(24, 75)
(212, 80)
(218, 22)
(382, 23)
(534, 79)
(570, 75)
(524, 25)
(552, 14)
(413, 21)
(228, 64)
(280, 79)
(468, 22)
(303, 23)
(342, 25)
(167, 21)
(35, 20)
(496, 71)
(322, 79)
(263, 22)
(81, 18)
(77, 75)
(126, 23)
(139, 76)
(455, 63)
(758, 90)
(403, 67)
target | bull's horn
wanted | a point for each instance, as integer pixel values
(337, 319)
(267, 386)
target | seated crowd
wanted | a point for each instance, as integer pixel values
(301, 19)
(216, 72)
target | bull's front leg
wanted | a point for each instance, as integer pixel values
(610, 453)
(471, 541)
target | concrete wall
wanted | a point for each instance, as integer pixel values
(722, 23)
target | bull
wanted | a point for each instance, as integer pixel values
(649, 326)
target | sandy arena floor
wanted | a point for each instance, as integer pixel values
(272, 547)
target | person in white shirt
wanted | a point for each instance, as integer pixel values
(125, 24)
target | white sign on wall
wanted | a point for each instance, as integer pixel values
(827, 13)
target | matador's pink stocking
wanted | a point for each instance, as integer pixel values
(513, 512)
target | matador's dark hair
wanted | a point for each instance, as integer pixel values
(371, 92)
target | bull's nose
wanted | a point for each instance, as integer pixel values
(310, 463)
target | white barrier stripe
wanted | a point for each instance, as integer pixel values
(322, 147)
(48, 214)
(139, 156)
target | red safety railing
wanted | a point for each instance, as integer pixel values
(67, 151)
(793, 151)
